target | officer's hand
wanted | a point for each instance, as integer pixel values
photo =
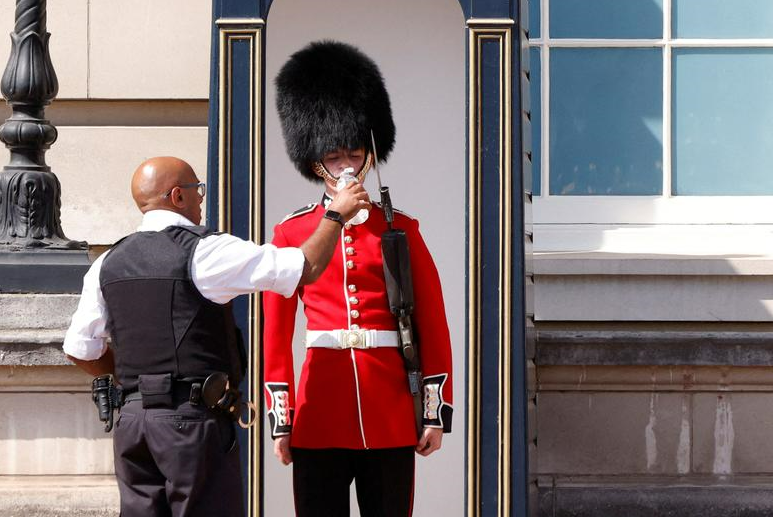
(430, 441)
(282, 449)
(350, 200)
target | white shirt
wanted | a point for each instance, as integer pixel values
(223, 267)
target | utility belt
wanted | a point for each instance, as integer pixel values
(164, 391)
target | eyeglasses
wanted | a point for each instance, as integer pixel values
(200, 186)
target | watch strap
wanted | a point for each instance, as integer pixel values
(334, 216)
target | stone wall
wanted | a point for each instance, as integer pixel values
(55, 458)
(654, 386)
(133, 83)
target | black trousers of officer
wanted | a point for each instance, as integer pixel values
(177, 462)
(383, 479)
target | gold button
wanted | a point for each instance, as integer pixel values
(353, 300)
(348, 239)
(355, 327)
(350, 251)
(353, 339)
(348, 226)
(352, 288)
(349, 264)
(355, 314)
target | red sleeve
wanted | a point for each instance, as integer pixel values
(278, 374)
(432, 333)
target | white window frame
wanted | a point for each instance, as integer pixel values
(664, 209)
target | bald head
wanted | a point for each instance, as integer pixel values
(156, 177)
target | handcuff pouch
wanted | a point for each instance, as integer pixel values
(156, 390)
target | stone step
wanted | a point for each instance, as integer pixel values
(742, 497)
(58, 496)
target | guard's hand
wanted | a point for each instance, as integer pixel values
(282, 449)
(431, 440)
(350, 200)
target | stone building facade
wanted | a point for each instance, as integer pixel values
(652, 311)
(120, 101)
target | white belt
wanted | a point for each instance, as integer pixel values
(360, 338)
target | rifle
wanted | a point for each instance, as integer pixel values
(399, 284)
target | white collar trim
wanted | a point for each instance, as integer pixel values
(157, 220)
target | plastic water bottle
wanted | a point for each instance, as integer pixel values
(346, 177)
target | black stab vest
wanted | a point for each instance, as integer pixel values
(158, 320)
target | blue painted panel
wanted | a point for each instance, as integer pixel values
(489, 269)
(606, 128)
(240, 180)
(534, 18)
(723, 19)
(536, 121)
(490, 8)
(240, 139)
(722, 108)
(239, 9)
(606, 18)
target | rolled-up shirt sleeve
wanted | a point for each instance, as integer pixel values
(86, 338)
(225, 266)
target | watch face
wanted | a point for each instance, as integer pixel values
(334, 216)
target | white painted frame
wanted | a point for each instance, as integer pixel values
(664, 209)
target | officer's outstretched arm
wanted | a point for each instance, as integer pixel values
(318, 249)
(97, 367)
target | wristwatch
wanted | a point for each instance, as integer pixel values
(334, 216)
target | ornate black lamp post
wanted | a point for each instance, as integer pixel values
(31, 238)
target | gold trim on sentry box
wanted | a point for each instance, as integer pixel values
(230, 31)
(500, 31)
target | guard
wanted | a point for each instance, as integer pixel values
(352, 416)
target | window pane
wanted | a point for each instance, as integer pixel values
(606, 18)
(723, 18)
(536, 121)
(534, 12)
(722, 112)
(606, 124)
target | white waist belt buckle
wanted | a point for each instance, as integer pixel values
(354, 338)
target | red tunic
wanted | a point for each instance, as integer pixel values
(355, 398)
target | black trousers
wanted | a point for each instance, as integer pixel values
(181, 462)
(383, 479)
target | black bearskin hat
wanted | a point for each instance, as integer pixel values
(330, 95)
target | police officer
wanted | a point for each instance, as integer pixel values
(162, 294)
(352, 416)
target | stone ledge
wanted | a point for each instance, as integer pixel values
(47, 379)
(619, 347)
(37, 311)
(604, 263)
(30, 353)
(43, 271)
(747, 497)
(648, 379)
(58, 496)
